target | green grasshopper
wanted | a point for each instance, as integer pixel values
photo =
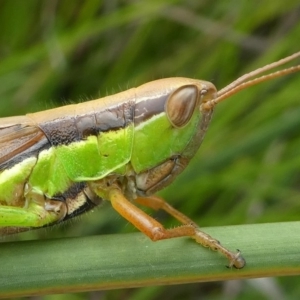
(59, 163)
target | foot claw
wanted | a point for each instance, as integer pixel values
(237, 261)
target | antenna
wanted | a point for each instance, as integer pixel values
(245, 81)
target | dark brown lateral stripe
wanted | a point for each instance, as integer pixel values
(146, 109)
(65, 131)
(61, 131)
(115, 118)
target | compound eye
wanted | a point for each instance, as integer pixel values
(181, 105)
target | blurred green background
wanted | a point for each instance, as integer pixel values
(54, 53)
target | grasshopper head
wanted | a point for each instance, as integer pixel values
(169, 128)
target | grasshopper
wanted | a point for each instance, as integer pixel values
(62, 162)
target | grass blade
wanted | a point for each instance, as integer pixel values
(132, 260)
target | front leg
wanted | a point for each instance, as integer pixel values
(155, 231)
